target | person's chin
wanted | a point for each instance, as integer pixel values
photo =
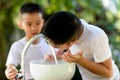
(33, 35)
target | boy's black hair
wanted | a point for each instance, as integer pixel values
(62, 27)
(30, 8)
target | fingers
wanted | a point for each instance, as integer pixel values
(67, 57)
(49, 58)
(11, 72)
(80, 52)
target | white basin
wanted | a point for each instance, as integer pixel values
(43, 70)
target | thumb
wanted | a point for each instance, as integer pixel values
(11, 67)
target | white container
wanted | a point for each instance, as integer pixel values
(42, 70)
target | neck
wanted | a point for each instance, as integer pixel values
(34, 42)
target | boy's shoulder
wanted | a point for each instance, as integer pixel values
(93, 28)
(19, 42)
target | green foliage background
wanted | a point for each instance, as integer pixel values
(90, 10)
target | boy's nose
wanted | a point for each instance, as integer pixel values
(33, 28)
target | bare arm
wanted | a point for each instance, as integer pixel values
(103, 69)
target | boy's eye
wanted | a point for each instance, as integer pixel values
(38, 23)
(65, 50)
(28, 24)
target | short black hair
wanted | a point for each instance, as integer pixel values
(30, 8)
(62, 27)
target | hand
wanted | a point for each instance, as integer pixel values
(11, 72)
(49, 58)
(68, 57)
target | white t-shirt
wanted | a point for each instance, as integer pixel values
(95, 46)
(34, 52)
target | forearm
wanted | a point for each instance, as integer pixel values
(97, 68)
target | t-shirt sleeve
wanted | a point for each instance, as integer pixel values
(13, 56)
(100, 48)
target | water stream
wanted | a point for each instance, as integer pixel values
(53, 52)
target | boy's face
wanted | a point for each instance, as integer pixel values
(31, 23)
(64, 46)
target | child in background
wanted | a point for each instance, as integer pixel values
(82, 43)
(31, 23)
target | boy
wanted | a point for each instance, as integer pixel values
(82, 43)
(31, 23)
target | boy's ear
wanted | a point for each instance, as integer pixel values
(74, 41)
(20, 25)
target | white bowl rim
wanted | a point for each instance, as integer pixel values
(60, 62)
